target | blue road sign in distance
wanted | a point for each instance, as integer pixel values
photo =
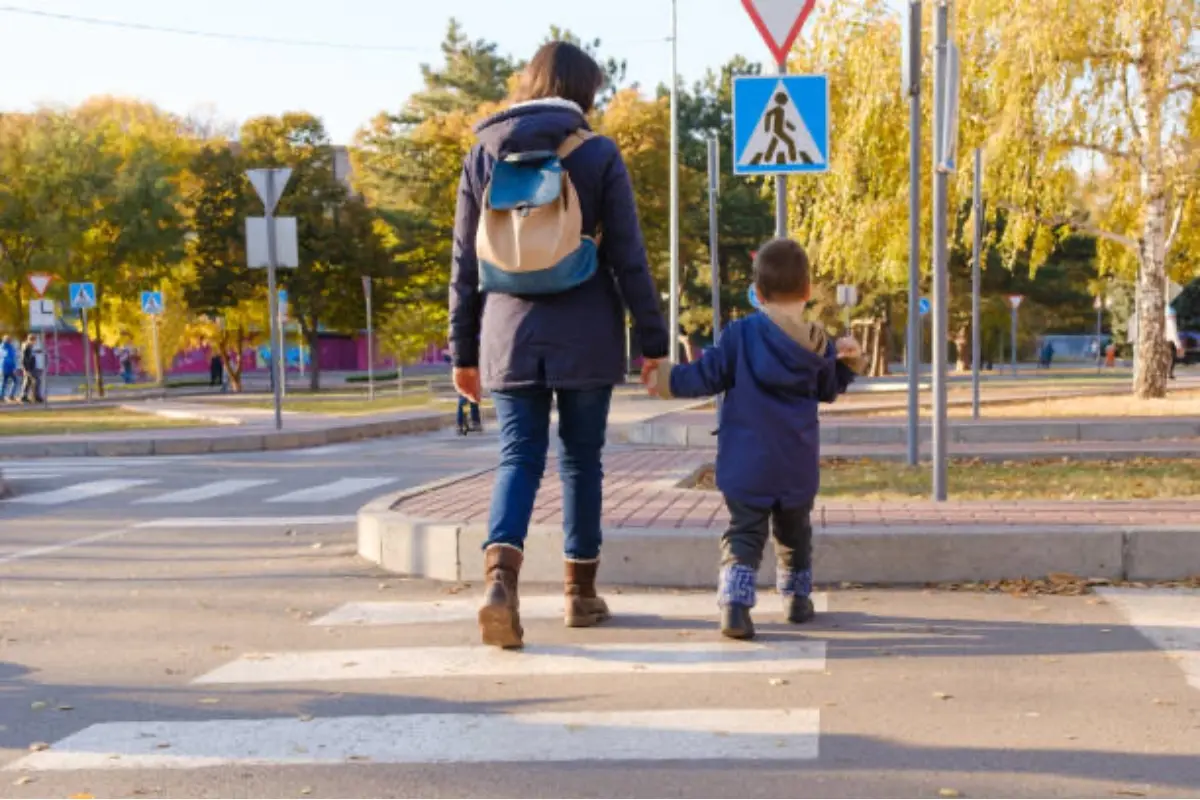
(923, 306)
(152, 303)
(82, 295)
(780, 124)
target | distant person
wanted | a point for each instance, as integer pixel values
(775, 368)
(1173, 356)
(8, 356)
(216, 371)
(475, 425)
(31, 391)
(127, 364)
(553, 329)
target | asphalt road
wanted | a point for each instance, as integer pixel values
(228, 643)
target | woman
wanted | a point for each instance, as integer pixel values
(569, 347)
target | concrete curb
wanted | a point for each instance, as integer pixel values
(687, 558)
(234, 442)
(664, 434)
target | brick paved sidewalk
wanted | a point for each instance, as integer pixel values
(641, 491)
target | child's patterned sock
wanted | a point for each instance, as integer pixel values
(737, 586)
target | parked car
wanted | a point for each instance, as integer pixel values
(1191, 346)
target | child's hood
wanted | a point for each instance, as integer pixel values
(786, 351)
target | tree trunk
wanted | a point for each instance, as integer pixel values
(962, 343)
(313, 337)
(99, 371)
(1151, 364)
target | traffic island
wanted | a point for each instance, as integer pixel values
(660, 531)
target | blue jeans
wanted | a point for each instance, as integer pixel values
(463, 403)
(10, 377)
(524, 420)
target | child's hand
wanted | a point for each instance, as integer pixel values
(848, 349)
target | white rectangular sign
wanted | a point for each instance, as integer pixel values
(847, 296)
(41, 314)
(287, 249)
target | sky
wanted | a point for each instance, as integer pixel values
(56, 61)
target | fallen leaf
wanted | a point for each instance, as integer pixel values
(943, 696)
(358, 758)
(1129, 793)
(66, 708)
(778, 682)
(306, 790)
(1032, 714)
(24, 780)
(306, 717)
(949, 793)
(37, 747)
(82, 796)
(350, 664)
(37, 705)
(1158, 701)
(317, 545)
(209, 701)
(163, 745)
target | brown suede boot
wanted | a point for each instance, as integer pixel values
(584, 608)
(500, 616)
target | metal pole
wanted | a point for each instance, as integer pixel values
(1099, 335)
(673, 347)
(941, 283)
(87, 358)
(282, 353)
(781, 209)
(57, 355)
(915, 324)
(273, 301)
(370, 342)
(44, 380)
(714, 191)
(1014, 341)
(158, 364)
(976, 285)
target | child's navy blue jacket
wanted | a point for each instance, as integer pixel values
(775, 373)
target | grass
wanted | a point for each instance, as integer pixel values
(1176, 404)
(85, 420)
(1142, 479)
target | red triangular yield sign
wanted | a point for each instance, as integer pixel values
(779, 23)
(40, 281)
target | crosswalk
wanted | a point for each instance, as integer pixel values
(323, 492)
(652, 730)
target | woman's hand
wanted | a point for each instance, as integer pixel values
(650, 375)
(466, 383)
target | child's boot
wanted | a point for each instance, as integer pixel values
(736, 598)
(795, 587)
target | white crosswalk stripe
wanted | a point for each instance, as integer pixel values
(79, 491)
(462, 609)
(1170, 618)
(206, 491)
(345, 487)
(664, 731)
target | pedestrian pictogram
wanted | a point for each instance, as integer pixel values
(781, 124)
(152, 303)
(83, 295)
(40, 281)
(779, 23)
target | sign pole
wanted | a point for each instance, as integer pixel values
(915, 323)
(673, 336)
(1099, 334)
(370, 341)
(158, 363)
(714, 191)
(976, 285)
(940, 277)
(1014, 339)
(273, 298)
(87, 358)
(57, 357)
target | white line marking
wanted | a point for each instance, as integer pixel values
(331, 491)
(479, 661)
(675, 735)
(1170, 618)
(54, 548)
(462, 609)
(78, 491)
(204, 492)
(31, 476)
(169, 523)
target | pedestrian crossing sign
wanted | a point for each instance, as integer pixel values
(152, 303)
(83, 295)
(780, 124)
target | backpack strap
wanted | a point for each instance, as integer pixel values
(573, 142)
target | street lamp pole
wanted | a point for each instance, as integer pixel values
(673, 335)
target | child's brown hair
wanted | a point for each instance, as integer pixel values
(781, 271)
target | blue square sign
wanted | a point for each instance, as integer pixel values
(152, 303)
(780, 124)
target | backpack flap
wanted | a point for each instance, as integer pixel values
(524, 185)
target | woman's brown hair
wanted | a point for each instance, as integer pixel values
(560, 69)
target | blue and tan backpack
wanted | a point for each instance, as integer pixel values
(530, 239)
